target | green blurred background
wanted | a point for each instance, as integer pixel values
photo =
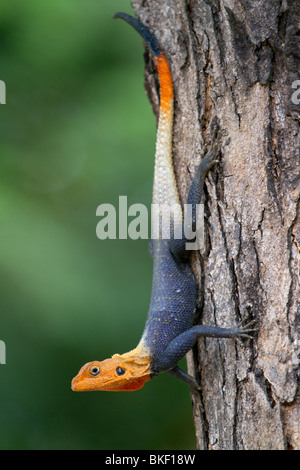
(77, 131)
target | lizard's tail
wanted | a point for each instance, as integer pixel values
(165, 79)
(164, 186)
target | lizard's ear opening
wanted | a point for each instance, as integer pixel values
(120, 371)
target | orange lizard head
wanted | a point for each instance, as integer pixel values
(125, 372)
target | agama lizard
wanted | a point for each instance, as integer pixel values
(169, 332)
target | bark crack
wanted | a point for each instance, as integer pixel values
(294, 276)
(265, 386)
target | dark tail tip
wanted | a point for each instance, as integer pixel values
(142, 30)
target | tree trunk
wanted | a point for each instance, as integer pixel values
(234, 64)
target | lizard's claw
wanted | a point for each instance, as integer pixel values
(216, 146)
(203, 151)
(210, 157)
(244, 330)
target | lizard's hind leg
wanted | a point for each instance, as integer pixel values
(178, 246)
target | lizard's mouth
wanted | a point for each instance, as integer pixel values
(80, 384)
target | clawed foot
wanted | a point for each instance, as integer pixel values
(217, 142)
(210, 157)
(242, 331)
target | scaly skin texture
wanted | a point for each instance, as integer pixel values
(169, 332)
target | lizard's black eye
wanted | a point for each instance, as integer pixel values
(120, 371)
(94, 370)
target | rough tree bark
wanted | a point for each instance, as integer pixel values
(233, 64)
